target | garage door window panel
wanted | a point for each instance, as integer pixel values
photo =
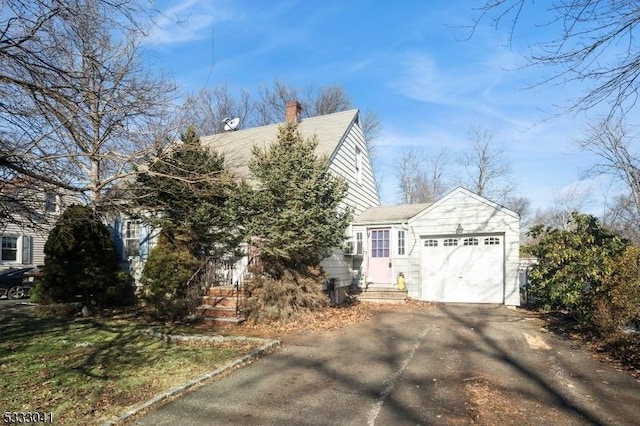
(431, 243)
(470, 242)
(450, 242)
(492, 241)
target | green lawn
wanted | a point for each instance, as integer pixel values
(86, 370)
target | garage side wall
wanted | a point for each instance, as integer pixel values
(474, 215)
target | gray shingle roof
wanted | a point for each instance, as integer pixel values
(236, 146)
(390, 213)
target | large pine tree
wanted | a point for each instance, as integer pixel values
(298, 214)
(190, 196)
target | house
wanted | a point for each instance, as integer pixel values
(462, 248)
(133, 241)
(29, 216)
(339, 137)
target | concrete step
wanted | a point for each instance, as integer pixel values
(219, 306)
(223, 322)
(216, 311)
(381, 295)
(222, 291)
(223, 301)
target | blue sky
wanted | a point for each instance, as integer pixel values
(410, 62)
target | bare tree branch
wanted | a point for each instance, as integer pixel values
(611, 141)
(209, 107)
(77, 109)
(422, 178)
(591, 41)
(486, 170)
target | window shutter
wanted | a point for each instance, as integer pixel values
(144, 241)
(116, 234)
(27, 249)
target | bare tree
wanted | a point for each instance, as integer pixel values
(422, 178)
(207, 108)
(486, 170)
(573, 198)
(591, 41)
(520, 205)
(611, 141)
(623, 216)
(83, 114)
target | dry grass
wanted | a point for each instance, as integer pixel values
(85, 371)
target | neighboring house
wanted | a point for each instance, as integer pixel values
(22, 238)
(339, 137)
(462, 248)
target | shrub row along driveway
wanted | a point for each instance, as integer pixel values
(440, 365)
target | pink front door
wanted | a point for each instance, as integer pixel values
(379, 256)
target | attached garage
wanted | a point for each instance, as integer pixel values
(467, 269)
(461, 249)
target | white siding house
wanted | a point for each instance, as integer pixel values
(22, 238)
(133, 241)
(463, 249)
(340, 138)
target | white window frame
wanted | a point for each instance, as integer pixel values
(16, 250)
(51, 202)
(131, 238)
(359, 249)
(402, 242)
(380, 242)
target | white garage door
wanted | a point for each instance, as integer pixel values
(467, 269)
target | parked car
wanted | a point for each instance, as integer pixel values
(32, 276)
(12, 283)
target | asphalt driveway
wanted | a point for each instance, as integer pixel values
(445, 365)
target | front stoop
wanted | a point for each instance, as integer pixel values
(222, 306)
(380, 295)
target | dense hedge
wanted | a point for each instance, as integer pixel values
(587, 270)
(81, 264)
(165, 279)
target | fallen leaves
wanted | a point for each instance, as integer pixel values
(329, 318)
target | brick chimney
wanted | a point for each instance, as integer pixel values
(293, 111)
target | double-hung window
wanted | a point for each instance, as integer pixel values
(359, 243)
(50, 202)
(401, 243)
(9, 252)
(132, 238)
